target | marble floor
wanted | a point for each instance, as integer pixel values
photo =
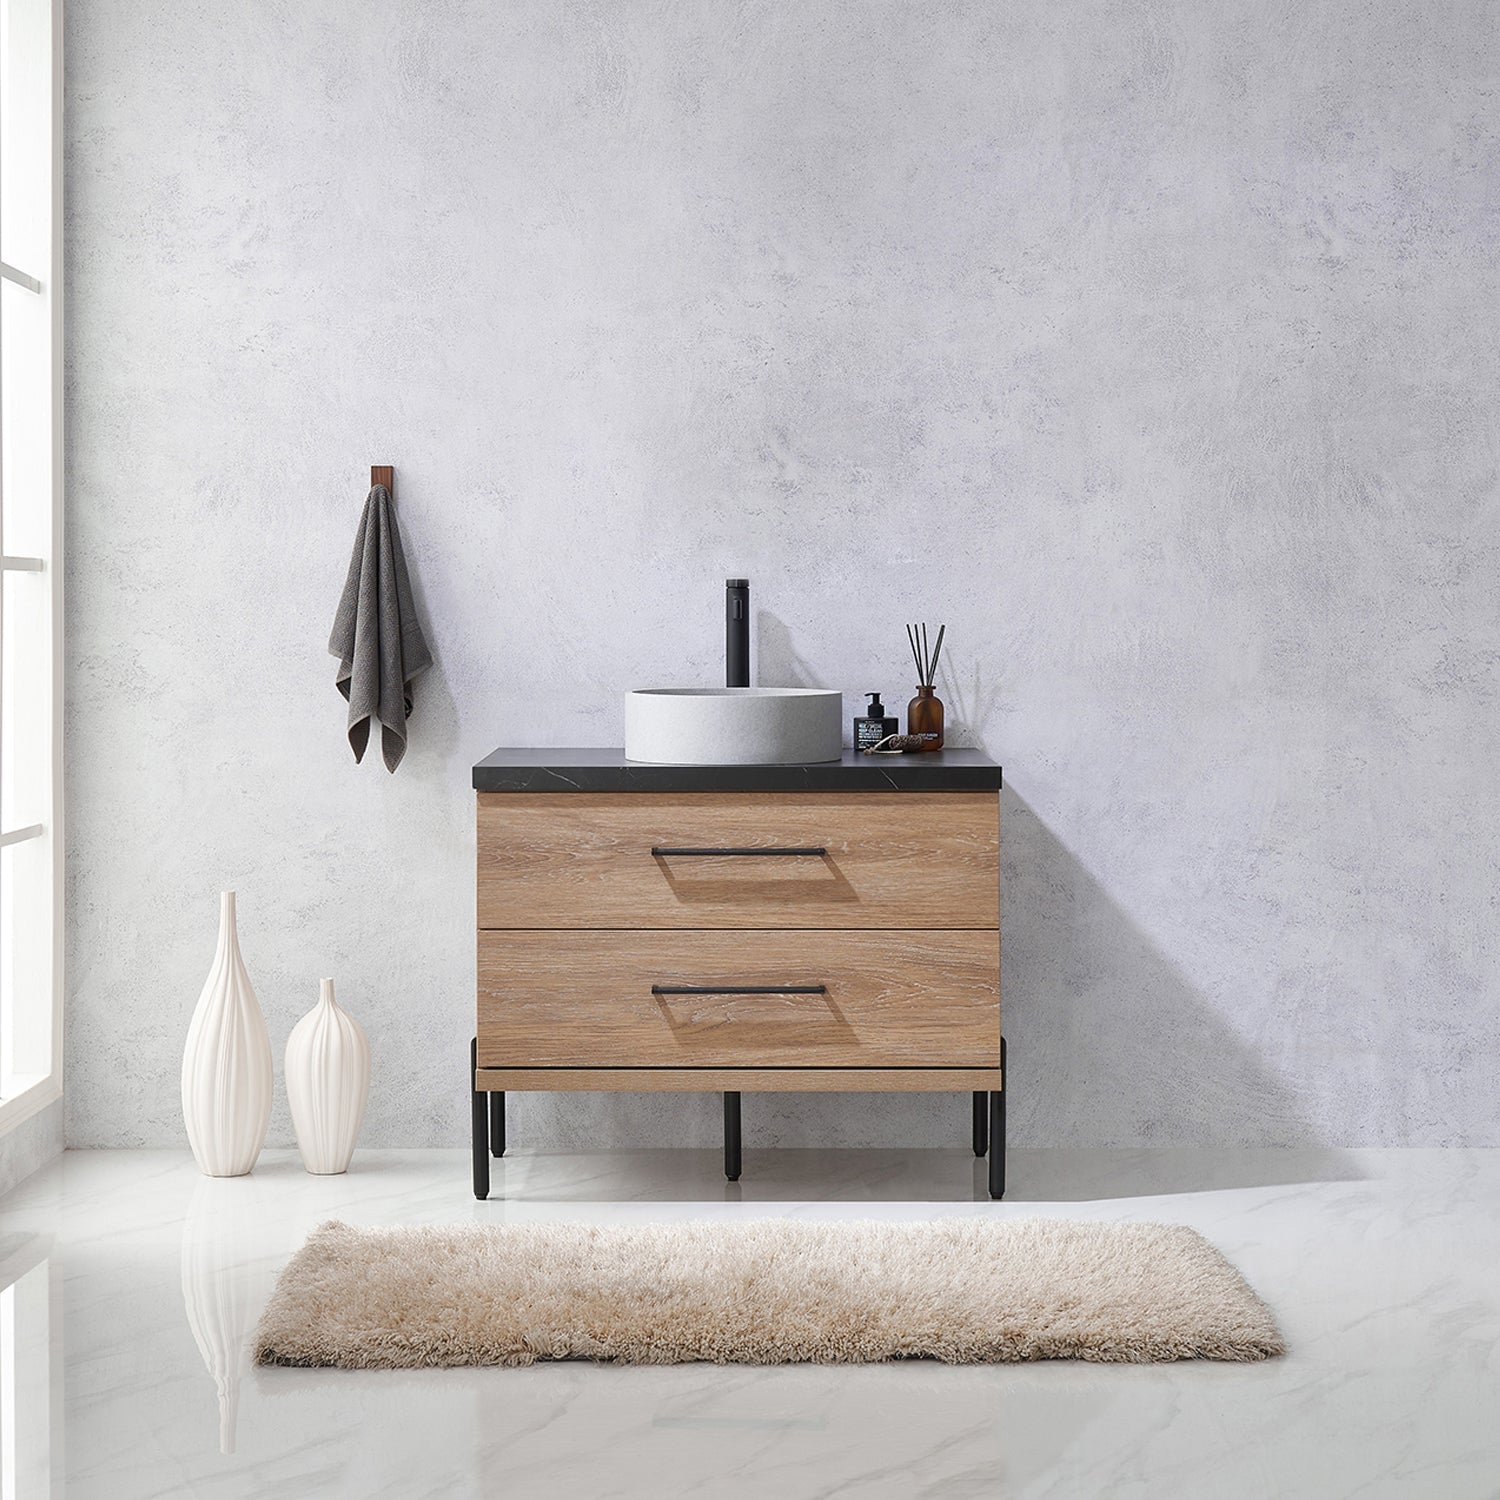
(131, 1284)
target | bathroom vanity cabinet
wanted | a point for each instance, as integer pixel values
(737, 929)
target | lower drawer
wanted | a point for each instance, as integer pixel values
(841, 999)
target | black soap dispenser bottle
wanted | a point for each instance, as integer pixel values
(873, 726)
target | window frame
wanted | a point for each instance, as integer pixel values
(37, 1087)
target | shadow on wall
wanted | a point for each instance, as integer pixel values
(969, 701)
(777, 661)
(1110, 1043)
(432, 730)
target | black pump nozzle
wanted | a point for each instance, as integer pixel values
(876, 710)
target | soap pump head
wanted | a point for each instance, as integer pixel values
(876, 710)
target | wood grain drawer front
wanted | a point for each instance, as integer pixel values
(602, 999)
(878, 859)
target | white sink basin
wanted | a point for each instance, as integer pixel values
(733, 726)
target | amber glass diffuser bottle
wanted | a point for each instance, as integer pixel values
(924, 717)
(924, 714)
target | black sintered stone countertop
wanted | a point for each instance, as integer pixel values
(508, 770)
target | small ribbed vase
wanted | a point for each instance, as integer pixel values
(226, 1065)
(327, 1083)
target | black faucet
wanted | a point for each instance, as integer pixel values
(736, 632)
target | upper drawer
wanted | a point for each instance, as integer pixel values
(583, 859)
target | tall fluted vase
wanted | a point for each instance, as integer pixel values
(327, 1083)
(226, 1065)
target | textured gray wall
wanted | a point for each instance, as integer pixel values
(1153, 346)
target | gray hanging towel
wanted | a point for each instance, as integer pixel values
(376, 636)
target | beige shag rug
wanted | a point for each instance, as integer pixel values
(969, 1290)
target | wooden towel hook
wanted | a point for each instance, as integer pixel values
(384, 474)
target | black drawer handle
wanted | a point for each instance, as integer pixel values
(812, 853)
(739, 989)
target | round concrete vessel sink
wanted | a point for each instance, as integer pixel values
(733, 726)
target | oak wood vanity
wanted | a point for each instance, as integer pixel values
(734, 928)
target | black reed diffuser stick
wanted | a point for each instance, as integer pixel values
(927, 661)
(916, 656)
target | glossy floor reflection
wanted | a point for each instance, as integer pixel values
(133, 1284)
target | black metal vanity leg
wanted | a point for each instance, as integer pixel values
(497, 1123)
(732, 1136)
(981, 1121)
(997, 1130)
(479, 1117)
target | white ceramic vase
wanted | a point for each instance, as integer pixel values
(226, 1065)
(327, 1083)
